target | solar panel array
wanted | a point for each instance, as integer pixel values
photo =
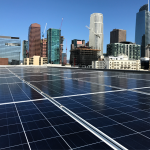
(114, 103)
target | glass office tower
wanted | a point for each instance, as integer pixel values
(142, 29)
(10, 47)
(53, 45)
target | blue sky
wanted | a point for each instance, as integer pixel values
(17, 15)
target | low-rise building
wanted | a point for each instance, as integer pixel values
(3, 61)
(120, 62)
(35, 60)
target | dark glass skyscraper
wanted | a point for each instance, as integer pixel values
(53, 46)
(142, 29)
(10, 47)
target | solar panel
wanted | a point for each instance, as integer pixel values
(93, 104)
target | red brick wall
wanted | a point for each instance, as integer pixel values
(3, 61)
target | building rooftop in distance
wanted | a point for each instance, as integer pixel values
(59, 108)
(9, 37)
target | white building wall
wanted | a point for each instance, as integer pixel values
(117, 64)
(96, 24)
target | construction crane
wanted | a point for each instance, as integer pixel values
(97, 36)
(66, 51)
(44, 31)
(61, 24)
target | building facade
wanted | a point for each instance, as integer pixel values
(10, 47)
(25, 49)
(117, 35)
(43, 48)
(34, 38)
(3, 61)
(83, 56)
(130, 49)
(77, 43)
(53, 45)
(147, 51)
(120, 62)
(144, 63)
(61, 48)
(96, 26)
(35, 60)
(64, 58)
(142, 29)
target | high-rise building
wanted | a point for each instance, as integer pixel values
(64, 60)
(53, 45)
(96, 26)
(25, 49)
(34, 38)
(130, 49)
(61, 48)
(43, 48)
(117, 35)
(10, 47)
(142, 29)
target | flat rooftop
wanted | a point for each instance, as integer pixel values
(59, 108)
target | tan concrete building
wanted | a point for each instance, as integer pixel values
(117, 35)
(35, 60)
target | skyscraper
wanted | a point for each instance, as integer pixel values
(117, 35)
(96, 26)
(34, 38)
(53, 45)
(142, 29)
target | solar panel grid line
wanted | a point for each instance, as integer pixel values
(12, 146)
(141, 88)
(85, 146)
(49, 122)
(118, 122)
(49, 80)
(22, 101)
(20, 121)
(86, 94)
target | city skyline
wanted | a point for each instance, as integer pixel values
(73, 26)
